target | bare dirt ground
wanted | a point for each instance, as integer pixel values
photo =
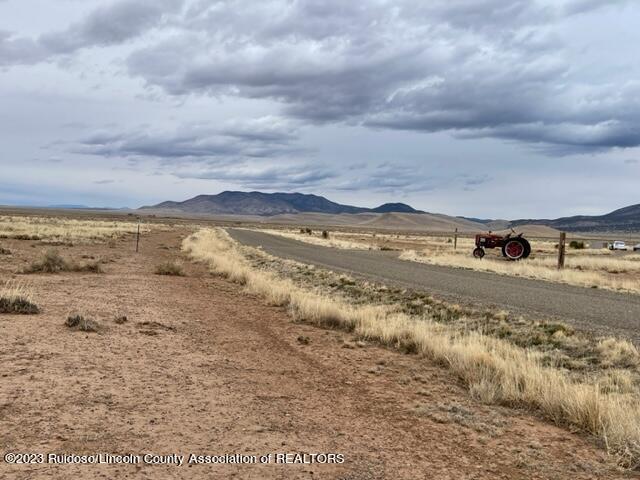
(201, 367)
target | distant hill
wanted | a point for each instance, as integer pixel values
(395, 208)
(625, 219)
(268, 204)
(68, 207)
(528, 230)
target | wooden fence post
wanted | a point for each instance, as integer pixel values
(561, 249)
(138, 237)
(455, 239)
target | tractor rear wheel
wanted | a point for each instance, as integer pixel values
(514, 248)
(478, 252)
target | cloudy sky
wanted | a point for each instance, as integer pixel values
(490, 108)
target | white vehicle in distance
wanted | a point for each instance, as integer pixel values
(618, 245)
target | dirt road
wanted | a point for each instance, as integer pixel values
(200, 367)
(601, 310)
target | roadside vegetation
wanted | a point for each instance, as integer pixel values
(63, 230)
(502, 360)
(17, 298)
(584, 267)
(320, 237)
(620, 273)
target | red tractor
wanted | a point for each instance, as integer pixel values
(514, 247)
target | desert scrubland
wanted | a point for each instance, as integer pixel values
(196, 344)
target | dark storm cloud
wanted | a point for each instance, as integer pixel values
(475, 68)
(16, 50)
(110, 25)
(391, 178)
(107, 25)
(266, 137)
(248, 175)
(472, 181)
(401, 179)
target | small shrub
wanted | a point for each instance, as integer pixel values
(121, 319)
(169, 268)
(325, 234)
(5, 251)
(80, 323)
(16, 298)
(616, 353)
(576, 245)
(53, 262)
(308, 231)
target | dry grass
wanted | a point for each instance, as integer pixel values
(494, 370)
(618, 353)
(63, 230)
(576, 272)
(17, 298)
(53, 262)
(317, 238)
(169, 268)
(629, 263)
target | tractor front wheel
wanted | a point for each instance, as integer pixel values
(515, 249)
(478, 252)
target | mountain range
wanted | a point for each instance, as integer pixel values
(258, 203)
(296, 207)
(625, 219)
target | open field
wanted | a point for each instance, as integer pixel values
(63, 230)
(154, 354)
